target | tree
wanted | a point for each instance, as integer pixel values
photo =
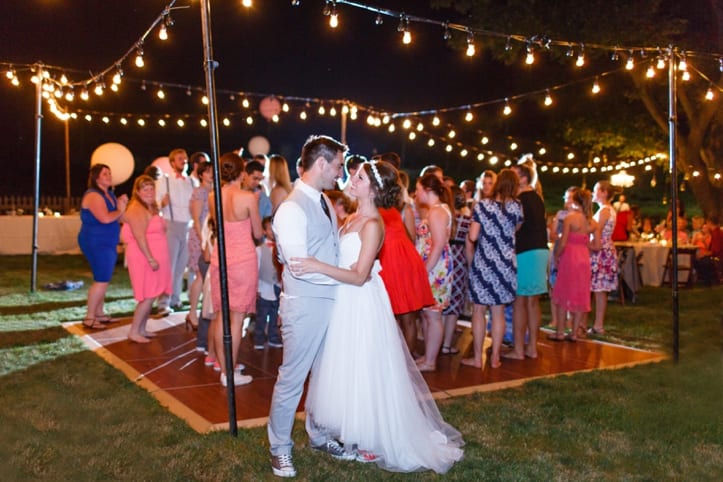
(694, 28)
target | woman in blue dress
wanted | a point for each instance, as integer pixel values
(98, 239)
(493, 272)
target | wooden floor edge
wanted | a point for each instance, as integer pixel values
(192, 418)
(490, 387)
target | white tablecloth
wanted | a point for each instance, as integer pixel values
(654, 257)
(55, 235)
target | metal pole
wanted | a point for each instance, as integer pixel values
(343, 126)
(67, 166)
(36, 175)
(672, 139)
(209, 66)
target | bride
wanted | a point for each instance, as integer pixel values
(367, 390)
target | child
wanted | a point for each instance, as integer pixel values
(267, 299)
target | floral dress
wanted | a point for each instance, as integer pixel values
(440, 275)
(604, 263)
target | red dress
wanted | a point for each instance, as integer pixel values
(403, 271)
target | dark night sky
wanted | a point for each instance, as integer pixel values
(274, 48)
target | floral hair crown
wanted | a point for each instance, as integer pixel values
(377, 176)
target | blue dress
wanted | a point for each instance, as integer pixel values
(99, 241)
(493, 272)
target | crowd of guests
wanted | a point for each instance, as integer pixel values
(423, 257)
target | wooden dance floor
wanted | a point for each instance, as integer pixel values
(173, 371)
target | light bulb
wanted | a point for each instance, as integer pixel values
(709, 94)
(548, 98)
(470, 45)
(530, 58)
(333, 18)
(162, 32)
(661, 63)
(686, 76)
(379, 20)
(436, 121)
(596, 87)
(469, 117)
(683, 65)
(160, 94)
(580, 60)
(247, 3)
(407, 37)
(650, 73)
(139, 59)
(630, 64)
(507, 110)
(430, 142)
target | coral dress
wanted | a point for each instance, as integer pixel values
(403, 271)
(241, 266)
(367, 390)
(145, 282)
(572, 287)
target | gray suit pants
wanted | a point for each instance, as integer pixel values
(303, 329)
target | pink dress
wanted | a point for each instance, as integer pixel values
(145, 282)
(572, 287)
(241, 266)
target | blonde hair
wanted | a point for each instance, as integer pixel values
(140, 182)
(279, 172)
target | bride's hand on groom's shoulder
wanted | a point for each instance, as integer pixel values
(299, 266)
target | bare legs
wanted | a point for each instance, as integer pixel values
(408, 324)
(450, 323)
(525, 319)
(194, 294)
(479, 329)
(601, 306)
(96, 299)
(237, 332)
(433, 333)
(137, 332)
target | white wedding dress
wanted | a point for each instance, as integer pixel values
(366, 389)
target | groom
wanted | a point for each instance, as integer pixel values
(305, 225)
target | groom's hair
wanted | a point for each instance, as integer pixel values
(320, 146)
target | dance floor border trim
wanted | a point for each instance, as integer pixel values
(202, 425)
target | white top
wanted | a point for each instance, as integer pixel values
(180, 190)
(290, 223)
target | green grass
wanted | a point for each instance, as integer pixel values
(67, 415)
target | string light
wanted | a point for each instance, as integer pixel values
(302, 115)
(683, 64)
(507, 109)
(709, 93)
(160, 93)
(139, 58)
(469, 117)
(686, 76)
(162, 32)
(596, 87)
(404, 29)
(247, 3)
(580, 57)
(447, 35)
(379, 20)
(333, 16)
(249, 120)
(436, 121)
(295, 3)
(470, 44)
(530, 57)
(548, 98)
(615, 56)
(661, 62)
(650, 73)
(630, 63)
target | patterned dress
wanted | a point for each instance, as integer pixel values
(440, 274)
(493, 273)
(604, 263)
(460, 272)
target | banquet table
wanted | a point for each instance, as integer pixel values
(56, 235)
(653, 260)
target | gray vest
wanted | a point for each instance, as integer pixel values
(322, 242)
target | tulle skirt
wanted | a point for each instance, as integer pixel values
(366, 389)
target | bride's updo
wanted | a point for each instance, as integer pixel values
(384, 181)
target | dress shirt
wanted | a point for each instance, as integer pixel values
(290, 229)
(180, 190)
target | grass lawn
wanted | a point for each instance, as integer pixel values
(67, 415)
